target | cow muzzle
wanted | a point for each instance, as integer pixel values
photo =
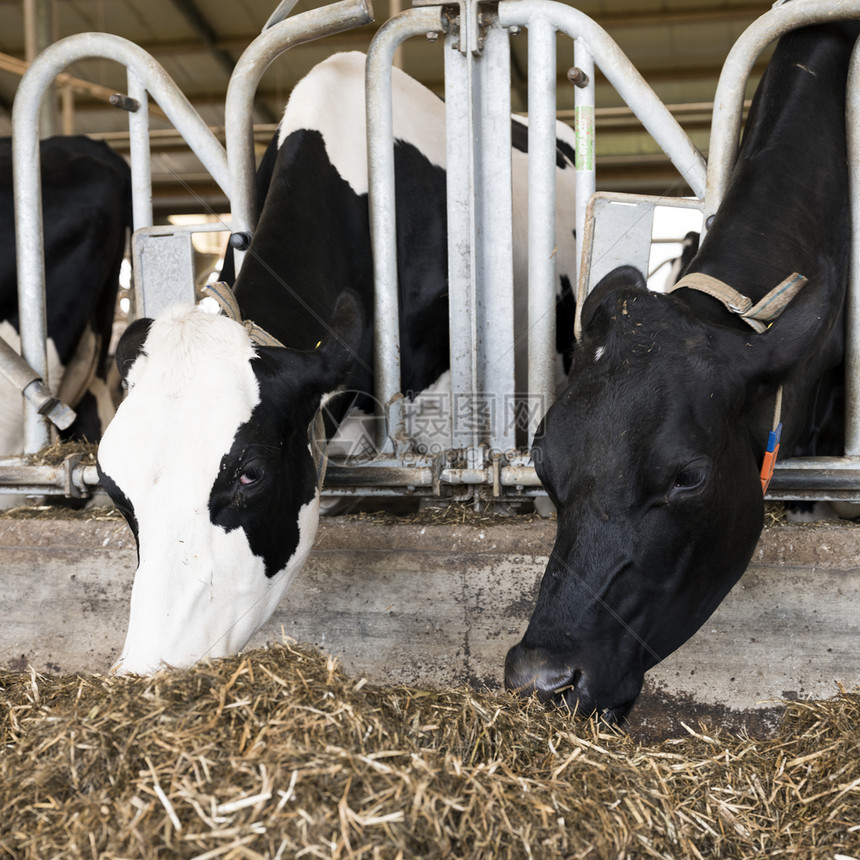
(562, 680)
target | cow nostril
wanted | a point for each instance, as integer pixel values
(533, 670)
(570, 685)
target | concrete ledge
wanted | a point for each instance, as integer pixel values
(440, 605)
(822, 545)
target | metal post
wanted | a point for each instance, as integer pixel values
(395, 7)
(383, 225)
(480, 259)
(494, 236)
(30, 252)
(462, 245)
(541, 207)
(138, 138)
(583, 104)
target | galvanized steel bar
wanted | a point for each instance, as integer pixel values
(813, 478)
(383, 225)
(138, 140)
(822, 478)
(541, 208)
(29, 240)
(623, 76)
(160, 85)
(29, 249)
(583, 108)
(495, 273)
(460, 179)
(816, 478)
(239, 104)
(70, 478)
(27, 381)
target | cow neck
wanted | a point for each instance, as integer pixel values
(758, 316)
(223, 294)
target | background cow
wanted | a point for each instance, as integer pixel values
(653, 452)
(86, 205)
(209, 455)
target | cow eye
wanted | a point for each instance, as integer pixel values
(690, 478)
(250, 474)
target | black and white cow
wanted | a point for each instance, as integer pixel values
(653, 453)
(209, 455)
(86, 203)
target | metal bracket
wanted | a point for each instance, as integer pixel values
(469, 20)
(30, 384)
(71, 478)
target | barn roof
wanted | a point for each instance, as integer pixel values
(678, 46)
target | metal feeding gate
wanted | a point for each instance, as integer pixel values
(484, 460)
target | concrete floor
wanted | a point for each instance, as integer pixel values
(440, 605)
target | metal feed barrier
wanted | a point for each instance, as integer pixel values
(157, 252)
(483, 460)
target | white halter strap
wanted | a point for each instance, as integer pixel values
(221, 292)
(760, 315)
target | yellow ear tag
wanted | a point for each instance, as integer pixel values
(318, 344)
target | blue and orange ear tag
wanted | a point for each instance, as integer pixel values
(770, 455)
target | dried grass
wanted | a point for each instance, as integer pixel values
(450, 513)
(55, 453)
(278, 754)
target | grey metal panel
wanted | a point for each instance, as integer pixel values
(164, 263)
(622, 236)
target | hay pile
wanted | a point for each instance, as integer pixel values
(278, 754)
(55, 453)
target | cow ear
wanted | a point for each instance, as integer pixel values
(340, 349)
(600, 302)
(130, 345)
(311, 373)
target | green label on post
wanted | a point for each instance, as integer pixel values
(584, 129)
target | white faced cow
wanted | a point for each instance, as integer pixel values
(653, 453)
(209, 455)
(86, 202)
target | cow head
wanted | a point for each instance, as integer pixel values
(209, 460)
(652, 457)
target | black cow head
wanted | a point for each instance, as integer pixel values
(652, 456)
